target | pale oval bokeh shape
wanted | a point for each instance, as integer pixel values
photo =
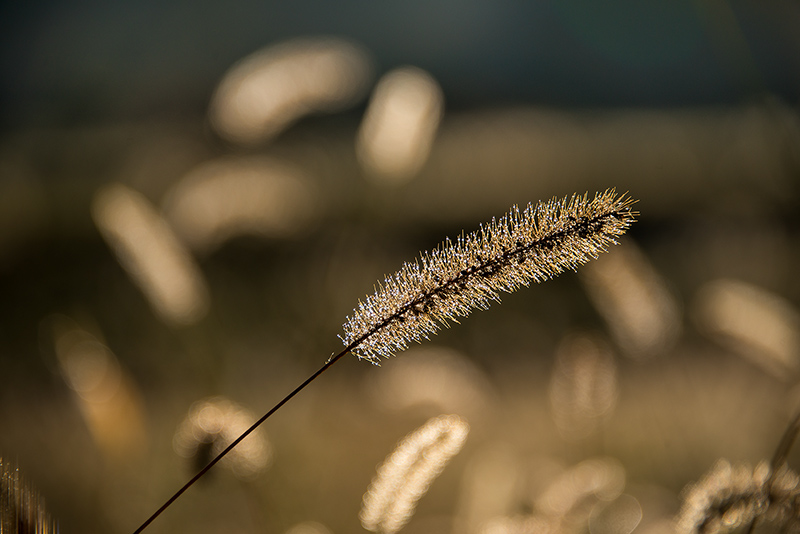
(104, 392)
(253, 195)
(595, 478)
(631, 295)
(400, 124)
(757, 324)
(213, 424)
(153, 256)
(272, 88)
(620, 516)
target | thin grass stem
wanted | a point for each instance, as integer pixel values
(238, 440)
(532, 245)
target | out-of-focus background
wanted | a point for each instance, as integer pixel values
(194, 196)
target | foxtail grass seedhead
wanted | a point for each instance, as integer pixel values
(407, 473)
(21, 508)
(211, 425)
(532, 245)
(535, 244)
(730, 496)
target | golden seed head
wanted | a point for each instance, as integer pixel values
(524, 246)
(407, 473)
(729, 496)
(21, 507)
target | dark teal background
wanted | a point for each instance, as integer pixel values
(73, 61)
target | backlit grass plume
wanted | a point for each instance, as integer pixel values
(407, 473)
(523, 246)
(535, 244)
(22, 509)
(731, 496)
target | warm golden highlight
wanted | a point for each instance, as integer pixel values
(535, 245)
(407, 473)
(730, 496)
(21, 508)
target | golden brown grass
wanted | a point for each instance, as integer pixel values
(535, 244)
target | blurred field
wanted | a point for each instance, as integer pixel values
(145, 267)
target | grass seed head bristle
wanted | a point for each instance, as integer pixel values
(407, 473)
(524, 246)
(21, 508)
(730, 496)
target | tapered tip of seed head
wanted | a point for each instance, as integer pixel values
(532, 245)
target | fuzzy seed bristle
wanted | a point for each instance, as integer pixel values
(21, 508)
(730, 496)
(407, 473)
(532, 245)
